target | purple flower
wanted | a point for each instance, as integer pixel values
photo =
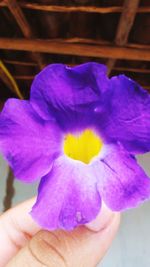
(79, 133)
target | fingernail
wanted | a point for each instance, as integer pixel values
(102, 220)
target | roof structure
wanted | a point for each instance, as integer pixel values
(36, 33)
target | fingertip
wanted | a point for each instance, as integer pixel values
(103, 219)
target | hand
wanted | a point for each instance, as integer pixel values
(23, 243)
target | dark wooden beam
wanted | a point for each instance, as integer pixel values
(126, 21)
(101, 42)
(47, 46)
(135, 70)
(62, 8)
(8, 80)
(147, 87)
(23, 24)
(5, 79)
(86, 9)
(124, 27)
(24, 77)
(20, 63)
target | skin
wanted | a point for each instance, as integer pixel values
(24, 244)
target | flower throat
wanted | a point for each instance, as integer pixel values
(83, 146)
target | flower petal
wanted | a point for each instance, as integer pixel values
(69, 94)
(28, 143)
(129, 115)
(67, 196)
(122, 182)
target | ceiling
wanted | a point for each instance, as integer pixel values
(36, 33)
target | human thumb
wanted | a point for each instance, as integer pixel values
(81, 247)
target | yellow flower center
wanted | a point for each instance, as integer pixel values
(83, 146)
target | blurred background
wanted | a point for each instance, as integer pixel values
(115, 32)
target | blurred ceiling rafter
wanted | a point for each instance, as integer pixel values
(43, 32)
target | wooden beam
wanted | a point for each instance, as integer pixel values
(47, 46)
(85, 41)
(124, 27)
(79, 40)
(5, 79)
(136, 70)
(19, 17)
(147, 87)
(9, 81)
(62, 8)
(85, 9)
(20, 63)
(24, 77)
(101, 42)
(23, 24)
(126, 21)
